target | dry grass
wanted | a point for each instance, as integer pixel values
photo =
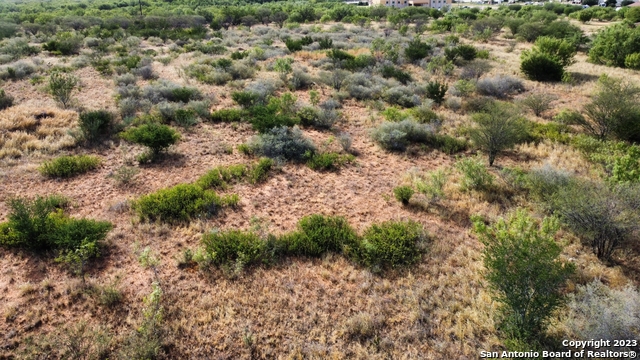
(25, 130)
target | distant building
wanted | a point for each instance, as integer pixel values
(435, 4)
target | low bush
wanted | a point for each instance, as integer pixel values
(156, 137)
(96, 125)
(6, 101)
(283, 143)
(541, 67)
(436, 91)
(328, 161)
(181, 203)
(219, 177)
(39, 224)
(392, 244)
(235, 248)
(318, 234)
(69, 166)
(474, 175)
(61, 86)
(17, 71)
(463, 51)
(538, 102)
(229, 115)
(597, 311)
(163, 90)
(403, 194)
(398, 135)
(389, 71)
(498, 128)
(499, 86)
(64, 44)
(416, 50)
(259, 172)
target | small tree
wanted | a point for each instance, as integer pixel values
(498, 129)
(523, 270)
(61, 86)
(613, 110)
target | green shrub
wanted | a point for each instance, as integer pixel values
(40, 224)
(61, 86)
(614, 110)
(524, 271)
(389, 71)
(436, 91)
(246, 99)
(499, 128)
(185, 118)
(265, 118)
(181, 203)
(318, 234)
(328, 161)
(626, 168)
(392, 244)
(235, 248)
(64, 44)
(229, 115)
(538, 102)
(474, 175)
(416, 50)
(260, 171)
(293, 45)
(6, 101)
(403, 194)
(219, 177)
(156, 137)
(614, 43)
(463, 51)
(541, 67)
(96, 125)
(69, 166)
(448, 144)
(632, 61)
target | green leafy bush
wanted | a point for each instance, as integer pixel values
(220, 176)
(156, 137)
(548, 58)
(524, 271)
(499, 128)
(69, 166)
(96, 125)
(632, 61)
(318, 234)
(181, 203)
(328, 161)
(392, 244)
(474, 175)
(389, 71)
(235, 247)
(229, 115)
(614, 43)
(436, 91)
(403, 194)
(61, 86)
(246, 99)
(416, 50)
(40, 224)
(259, 172)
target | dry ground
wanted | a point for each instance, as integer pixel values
(300, 308)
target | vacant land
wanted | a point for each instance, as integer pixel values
(167, 142)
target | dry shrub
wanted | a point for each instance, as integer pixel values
(26, 129)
